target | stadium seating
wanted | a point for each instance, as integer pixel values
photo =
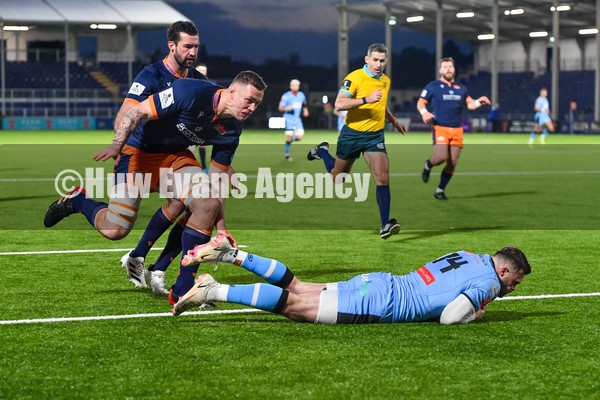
(47, 75)
(518, 91)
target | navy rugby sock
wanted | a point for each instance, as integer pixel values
(327, 159)
(384, 198)
(156, 227)
(444, 179)
(88, 207)
(171, 250)
(189, 239)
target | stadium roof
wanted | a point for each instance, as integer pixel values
(140, 14)
(536, 16)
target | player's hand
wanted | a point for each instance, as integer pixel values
(428, 117)
(399, 127)
(375, 96)
(484, 101)
(111, 151)
(479, 314)
(228, 235)
(233, 180)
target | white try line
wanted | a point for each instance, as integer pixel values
(549, 296)
(238, 311)
(29, 253)
(127, 316)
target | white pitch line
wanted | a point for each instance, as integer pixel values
(549, 296)
(29, 253)
(237, 311)
(462, 173)
(127, 316)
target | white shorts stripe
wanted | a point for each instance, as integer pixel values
(328, 307)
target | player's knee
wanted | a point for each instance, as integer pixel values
(437, 160)
(207, 206)
(175, 207)
(118, 220)
(115, 234)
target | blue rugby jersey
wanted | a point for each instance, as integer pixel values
(423, 294)
(293, 119)
(186, 115)
(446, 102)
(154, 78)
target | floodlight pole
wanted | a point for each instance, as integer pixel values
(342, 42)
(2, 72)
(555, 61)
(496, 31)
(67, 86)
(388, 44)
(597, 88)
(439, 35)
(131, 55)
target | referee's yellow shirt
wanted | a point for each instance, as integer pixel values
(368, 117)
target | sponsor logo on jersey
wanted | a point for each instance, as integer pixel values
(137, 88)
(495, 292)
(451, 96)
(221, 129)
(166, 98)
(346, 84)
(424, 93)
(189, 134)
(426, 275)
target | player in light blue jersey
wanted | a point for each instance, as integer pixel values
(293, 106)
(452, 289)
(341, 118)
(543, 120)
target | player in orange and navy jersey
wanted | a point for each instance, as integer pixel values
(190, 112)
(183, 43)
(364, 94)
(446, 100)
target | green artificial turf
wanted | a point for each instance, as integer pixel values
(541, 199)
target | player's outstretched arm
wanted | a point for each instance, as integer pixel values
(130, 121)
(459, 311)
(475, 104)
